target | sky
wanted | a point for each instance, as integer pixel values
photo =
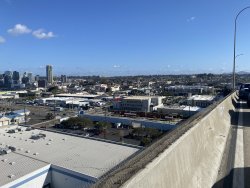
(123, 37)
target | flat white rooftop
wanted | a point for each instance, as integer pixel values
(14, 166)
(76, 95)
(142, 97)
(86, 156)
(202, 97)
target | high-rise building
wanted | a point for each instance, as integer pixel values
(42, 83)
(8, 73)
(37, 77)
(16, 77)
(30, 76)
(49, 74)
(7, 81)
(63, 78)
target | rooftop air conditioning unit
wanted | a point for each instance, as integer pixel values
(4, 151)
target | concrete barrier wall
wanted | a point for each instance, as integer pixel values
(194, 159)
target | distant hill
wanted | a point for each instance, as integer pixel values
(242, 72)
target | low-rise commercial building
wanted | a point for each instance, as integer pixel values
(185, 90)
(48, 159)
(138, 103)
(183, 111)
(202, 101)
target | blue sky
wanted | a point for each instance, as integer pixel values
(123, 37)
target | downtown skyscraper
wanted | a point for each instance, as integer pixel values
(49, 74)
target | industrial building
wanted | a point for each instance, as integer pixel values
(62, 101)
(183, 111)
(202, 101)
(14, 117)
(138, 103)
(185, 89)
(78, 95)
(35, 158)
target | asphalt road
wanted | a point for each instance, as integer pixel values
(235, 167)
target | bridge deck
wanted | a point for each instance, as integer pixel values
(235, 168)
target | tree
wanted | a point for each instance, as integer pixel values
(77, 122)
(54, 90)
(102, 127)
(87, 123)
(50, 116)
(145, 141)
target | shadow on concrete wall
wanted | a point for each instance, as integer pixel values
(234, 117)
(227, 181)
(234, 114)
(235, 102)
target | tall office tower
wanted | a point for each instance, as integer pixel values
(30, 76)
(37, 78)
(1, 80)
(16, 77)
(63, 78)
(49, 74)
(7, 81)
(9, 73)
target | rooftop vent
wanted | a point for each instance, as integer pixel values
(12, 163)
(29, 128)
(11, 176)
(12, 131)
(38, 136)
(5, 150)
(12, 148)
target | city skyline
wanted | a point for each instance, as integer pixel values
(114, 38)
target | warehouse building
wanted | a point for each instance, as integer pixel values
(35, 158)
(202, 101)
(138, 103)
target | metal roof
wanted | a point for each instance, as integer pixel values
(86, 156)
(14, 166)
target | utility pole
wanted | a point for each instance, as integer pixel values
(235, 31)
(25, 117)
(54, 108)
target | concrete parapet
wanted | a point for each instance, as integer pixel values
(189, 156)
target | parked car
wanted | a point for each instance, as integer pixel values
(244, 91)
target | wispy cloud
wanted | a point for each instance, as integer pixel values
(191, 19)
(42, 34)
(2, 40)
(19, 29)
(116, 66)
